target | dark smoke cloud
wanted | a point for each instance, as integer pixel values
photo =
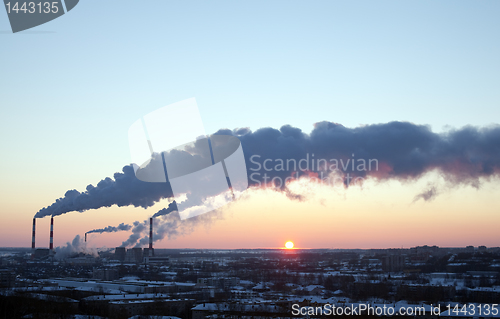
(403, 151)
(164, 211)
(111, 229)
(136, 233)
(124, 190)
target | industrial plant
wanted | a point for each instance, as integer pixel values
(253, 283)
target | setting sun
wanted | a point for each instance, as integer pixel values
(289, 245)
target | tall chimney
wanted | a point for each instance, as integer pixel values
(51, 245)
(151, 237)
(33, 238)
(85, 237)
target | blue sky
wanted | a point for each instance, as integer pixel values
(69, 95)
(261, 63)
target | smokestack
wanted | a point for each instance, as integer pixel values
(85, 237)
(151, 237)
(33, 238)
(51, 245)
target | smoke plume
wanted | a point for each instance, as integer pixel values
(73, 248)
(111, 229)
(164, 211)
(170, 226)
(124, 190)
(136, 233)
(396, 150)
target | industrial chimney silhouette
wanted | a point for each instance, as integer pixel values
(151, 237)
(33, 238)
(51, 244)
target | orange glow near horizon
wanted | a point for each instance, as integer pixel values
(289, 245)
(374, 215)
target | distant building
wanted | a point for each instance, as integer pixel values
(138, 304)
(420, 258)
(134, 286)
(485, 294)
(314, 290)
(7, 278)
(148, 252)
(433, 250)
(153, 306)
(107, 274)
(133, 255)
(243, 294)
(139, 255)
(41, 253)
(240, 310)
(120, 253)
(393, 263)
(261, 287)
(210, 266)
(219, 282)
(82, 260)
(157, 260)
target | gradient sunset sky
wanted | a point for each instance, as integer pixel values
(71, 88)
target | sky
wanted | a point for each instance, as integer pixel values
(71, 88)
